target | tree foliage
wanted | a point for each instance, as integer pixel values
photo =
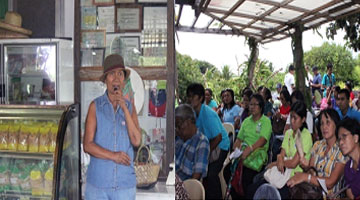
(351, 26)
(338, 55)
(188, 72)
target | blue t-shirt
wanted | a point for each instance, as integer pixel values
(327, 82)
(208, 122)
(351, 113)
(316, 80)
(212, 104)
(229, 115)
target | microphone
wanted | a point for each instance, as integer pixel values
(116, 88)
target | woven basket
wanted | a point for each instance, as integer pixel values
(146, 173)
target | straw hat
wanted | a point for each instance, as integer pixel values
(13, 22)
(111, 62)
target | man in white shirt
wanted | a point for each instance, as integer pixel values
(289, 79)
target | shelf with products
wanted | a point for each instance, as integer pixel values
(11, 194)
(26, 155)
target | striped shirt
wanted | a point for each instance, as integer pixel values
(325, 164)
(192, 156)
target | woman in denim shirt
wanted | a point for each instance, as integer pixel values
(111, 132)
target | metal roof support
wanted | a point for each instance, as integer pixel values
(179, 15)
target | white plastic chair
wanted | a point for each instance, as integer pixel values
(231, 131)
(195, 189)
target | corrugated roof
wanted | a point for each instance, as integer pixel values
(264, 20)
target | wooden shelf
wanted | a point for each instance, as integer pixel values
(146, 73)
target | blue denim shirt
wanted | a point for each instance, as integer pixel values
(111, 134)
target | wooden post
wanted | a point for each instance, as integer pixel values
(300, 73)
(254, 54)
(170, 88)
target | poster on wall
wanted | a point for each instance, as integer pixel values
(154, 38)
(106, 18)
(93, 39)
(88, 18)
(92, 57)
(128, 47)
(157, 99)
(128, 18)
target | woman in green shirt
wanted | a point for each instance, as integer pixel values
(288, 147)
(254, 133)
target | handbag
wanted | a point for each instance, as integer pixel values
(276, 178)
(277, 125)
(146, 173)
(306, 190)
(256, 159)
(236, 181)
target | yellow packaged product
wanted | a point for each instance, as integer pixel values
(4, 136)
(34, 138)
(48, 181)
(13, 136)
(36, 182)
(53, 134)
(44, 140)
(23, 143)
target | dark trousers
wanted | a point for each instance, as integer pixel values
(211, 183)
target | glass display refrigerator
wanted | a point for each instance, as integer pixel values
(37, 71)
(39, 152)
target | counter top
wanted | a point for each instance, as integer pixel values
(158, 192)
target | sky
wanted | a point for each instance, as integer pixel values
(221, 50)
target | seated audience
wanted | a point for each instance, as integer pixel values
(208, 122)
(209, 101)
(295, 97)
(191, 146)
(230, 112)
(334, 97)
(246, 95)
(348, 86)
(279, 119)
(289, 156)
(254, 133)
(266, 94)
(344, 109)
(348, 132)
(326, 101)
(326, 156)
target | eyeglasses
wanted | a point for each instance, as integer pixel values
(343, 137)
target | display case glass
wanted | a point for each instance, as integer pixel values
(30, 73)
(39, 152)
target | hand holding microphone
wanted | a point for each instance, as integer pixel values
(119, 96)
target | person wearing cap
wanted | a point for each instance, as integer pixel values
(289, 79)
(111, 132)
(316, 82)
